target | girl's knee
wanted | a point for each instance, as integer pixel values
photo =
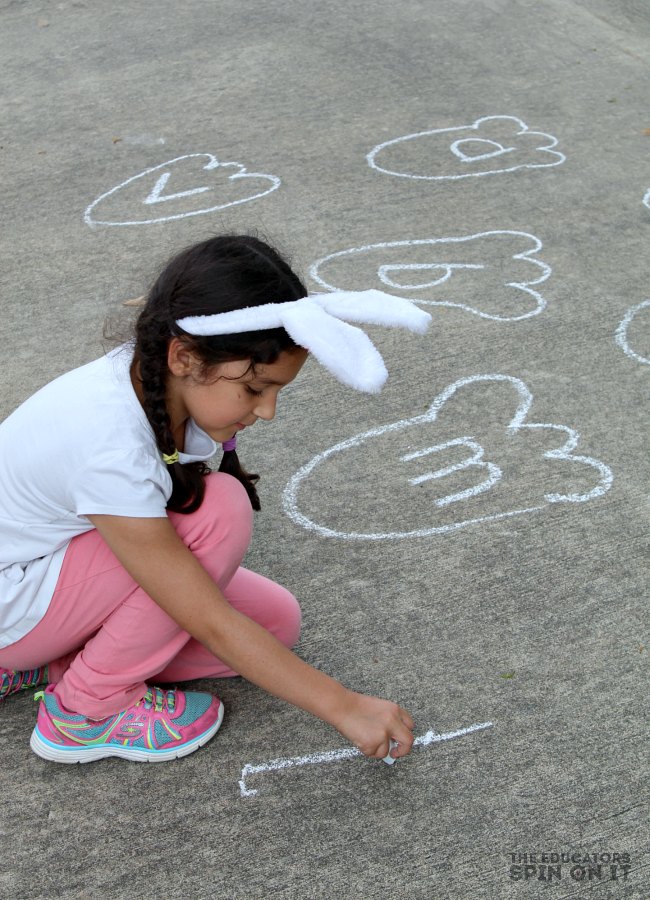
(224, 515)
(287, 618)
(226, 494)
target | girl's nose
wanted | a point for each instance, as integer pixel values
(265, 408)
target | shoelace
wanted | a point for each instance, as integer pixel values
(158, 699)
(17, 681)
(155, 698)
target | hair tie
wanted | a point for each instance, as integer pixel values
(171, 458)
(230, 444)
(320, 324)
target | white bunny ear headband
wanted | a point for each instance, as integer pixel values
(319, 324)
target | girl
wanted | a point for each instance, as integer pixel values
(120, 551)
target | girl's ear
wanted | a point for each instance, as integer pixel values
(180, 359)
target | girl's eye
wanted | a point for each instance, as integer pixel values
(253, 392)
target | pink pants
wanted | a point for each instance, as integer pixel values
(103, 637)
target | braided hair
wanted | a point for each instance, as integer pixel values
(220, 274)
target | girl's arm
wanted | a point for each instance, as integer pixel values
(156, 558)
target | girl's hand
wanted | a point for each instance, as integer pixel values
(370, 723)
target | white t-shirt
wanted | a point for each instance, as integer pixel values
(80, 446)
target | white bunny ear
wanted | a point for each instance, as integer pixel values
(319, 324)
(346, 351)
(374, 308)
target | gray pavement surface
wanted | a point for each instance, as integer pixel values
(512, 588)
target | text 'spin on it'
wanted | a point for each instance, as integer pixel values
(389, 760)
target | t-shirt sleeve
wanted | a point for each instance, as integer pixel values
(127, 484)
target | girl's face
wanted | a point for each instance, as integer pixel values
(231, 397)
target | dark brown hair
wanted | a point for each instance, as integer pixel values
(220, 274)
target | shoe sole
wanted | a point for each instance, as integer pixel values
(56, 753)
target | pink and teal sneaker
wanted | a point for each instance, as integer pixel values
(163, 725)
(12, 681)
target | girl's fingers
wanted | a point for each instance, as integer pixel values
(403, 741)
(407, 719)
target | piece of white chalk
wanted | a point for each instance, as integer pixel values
(389, 760)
